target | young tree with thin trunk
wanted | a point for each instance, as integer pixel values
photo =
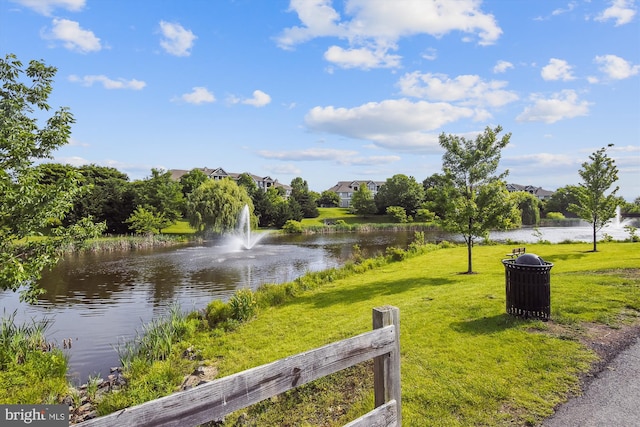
(593, 204)
(474, 199)
(29, 205)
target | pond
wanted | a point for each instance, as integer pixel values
(100, 300)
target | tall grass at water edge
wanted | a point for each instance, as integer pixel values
(32, 370)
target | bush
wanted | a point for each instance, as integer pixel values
(425, 215)
(397, 214)
(271, 294)
(554, 215)
(292, 226)
(395, 254)
(243, 305)
(217, 312)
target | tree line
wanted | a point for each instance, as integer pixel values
(66, 204)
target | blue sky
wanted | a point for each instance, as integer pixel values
(338, 90)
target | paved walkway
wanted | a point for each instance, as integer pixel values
(612, 399)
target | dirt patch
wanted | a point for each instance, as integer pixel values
(608, 342)
(605, 341)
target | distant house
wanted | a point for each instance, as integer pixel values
(218, 173)
(345, 190)
(539, 192)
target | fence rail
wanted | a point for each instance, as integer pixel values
(216, 399)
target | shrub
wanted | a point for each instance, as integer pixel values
(397, 214)
(292, 226)
(425, 215)
(217, 312)
(271, 294)
(554, 215)
(395, 254)
(243, 305)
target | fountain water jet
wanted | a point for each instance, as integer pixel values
(242, 233)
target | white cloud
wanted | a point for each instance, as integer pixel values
(73, 36)
(541, 160)
(615, 67)
(468, 90)
(311, 154)
(560, 11)
(558, 69)
(75, 143)
(177, 40)
(284, 169)
(260, 99)
(364, 58)
(374, 27)
(45, 7)
(562, 105)
(430, 54)
(502, 66)
(198, 95)
(108, 83)
(622, 11)
(369, 161)
(73, 161)
(342, 157)
(398, 124)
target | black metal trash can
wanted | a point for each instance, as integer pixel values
(528, 286)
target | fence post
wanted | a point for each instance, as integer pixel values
(386, 368)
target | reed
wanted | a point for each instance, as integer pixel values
(156, 339)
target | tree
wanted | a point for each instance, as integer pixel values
(593, 204)
(433, 188)
(162, 194)
(560, 201)
(329, 199)
(475, 199)
(245, 180)
(216, 205)
(362, 202)
(109, 198)
(28, 204)
(192, 180)
(144, 221)
(529, 206)
(306, 200)
(400, 190)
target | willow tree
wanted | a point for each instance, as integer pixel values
(474, 198)
(29, 206)
(216, 205)
(593, 204)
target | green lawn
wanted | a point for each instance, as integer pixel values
(334, 214)
(465, 362)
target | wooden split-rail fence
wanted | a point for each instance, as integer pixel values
(214, 400)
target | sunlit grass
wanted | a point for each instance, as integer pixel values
(464, 360)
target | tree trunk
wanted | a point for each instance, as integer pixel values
(469, 261)
(595, 249)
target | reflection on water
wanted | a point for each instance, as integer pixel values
(101, 299)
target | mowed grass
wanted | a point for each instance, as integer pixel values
(334, 214)
(181, 227)
(464, 361)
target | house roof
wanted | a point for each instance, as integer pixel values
(176, 174)
(349, 186)
(536, 191)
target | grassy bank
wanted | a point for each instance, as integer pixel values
(464, 361)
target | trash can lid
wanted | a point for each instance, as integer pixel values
(530, 259)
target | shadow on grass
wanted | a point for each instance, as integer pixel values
(488, 325)
(566, 257)
(362, 293)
